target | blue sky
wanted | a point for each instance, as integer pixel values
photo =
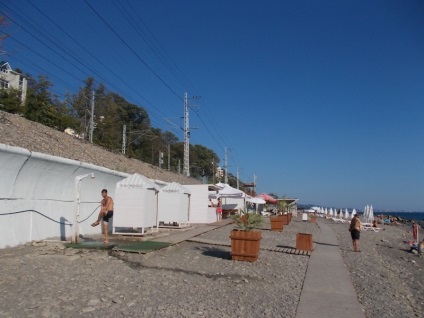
(322, 100)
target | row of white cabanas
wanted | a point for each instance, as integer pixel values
(142, 203)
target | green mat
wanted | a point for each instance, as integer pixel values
(91, 245)
(141, 246)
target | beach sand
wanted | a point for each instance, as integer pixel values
(199, 280)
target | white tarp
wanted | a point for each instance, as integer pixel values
(37, 195)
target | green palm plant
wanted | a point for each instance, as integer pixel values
(247, 221)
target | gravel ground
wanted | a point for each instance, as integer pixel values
(19, 132)
(388, 278)
(185, 280)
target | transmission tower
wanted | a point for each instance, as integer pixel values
(186, 129)
(186, 166)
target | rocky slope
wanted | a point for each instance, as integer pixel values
(19, 132)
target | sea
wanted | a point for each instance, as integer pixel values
(418, 216)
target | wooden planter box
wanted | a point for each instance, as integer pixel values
(285, 218)
(245, 245)
(304, 242)
(277, 223)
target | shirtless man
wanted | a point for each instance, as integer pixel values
(105, 213)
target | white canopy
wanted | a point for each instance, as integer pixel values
(229, 192)
(255, 200)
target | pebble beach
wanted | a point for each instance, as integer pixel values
(46, 279)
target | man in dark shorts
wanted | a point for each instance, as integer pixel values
(106, 212)
(355, 232)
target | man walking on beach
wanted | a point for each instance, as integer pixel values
(355, 232)
(106, 212)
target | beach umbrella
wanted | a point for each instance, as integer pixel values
(353, 213)
(370, 214)
(346, 216)
(331, 212)
(365, 215)
(326, 211)
(267, 198)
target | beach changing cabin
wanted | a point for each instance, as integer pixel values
(200, 211)
(174, 205)
(136, 206)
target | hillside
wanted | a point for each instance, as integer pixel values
(20, 132)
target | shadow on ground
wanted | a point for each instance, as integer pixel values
(215, 252)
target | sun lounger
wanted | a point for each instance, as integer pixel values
(371, 228)
(339, 220)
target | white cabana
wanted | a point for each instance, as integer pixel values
(136, 205)
(174, 205)
(200, 211)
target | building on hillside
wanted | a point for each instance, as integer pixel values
(11, 79)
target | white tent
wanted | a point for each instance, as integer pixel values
(256, 201)
(136, 205)
(228, 191)
(232, 198)
(174, 205)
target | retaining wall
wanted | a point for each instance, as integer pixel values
(37, 195)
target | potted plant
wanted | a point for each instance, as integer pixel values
(245, 241)
(285, 217)
(277, 223)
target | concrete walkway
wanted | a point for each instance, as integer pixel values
(177, 237)
(328, 290)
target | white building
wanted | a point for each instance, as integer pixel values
(11, 79)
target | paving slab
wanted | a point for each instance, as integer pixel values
(328, 289)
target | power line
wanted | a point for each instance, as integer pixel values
(135, 53)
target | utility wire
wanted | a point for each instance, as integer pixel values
(131, 49)
(94, 57)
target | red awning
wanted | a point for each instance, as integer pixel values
(268, 198)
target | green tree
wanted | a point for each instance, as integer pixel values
(10, 100)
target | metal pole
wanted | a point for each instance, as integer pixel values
(92, 118)
(186, 165)
(213, 172)
(169, 157)
(226, 166)
(124, 139)
(77, 202)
